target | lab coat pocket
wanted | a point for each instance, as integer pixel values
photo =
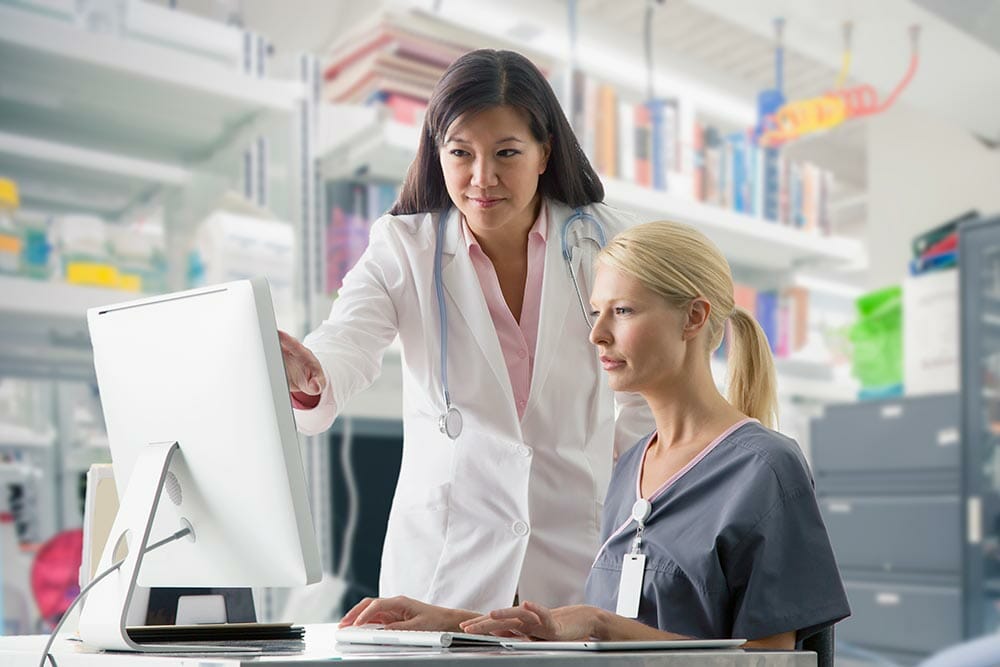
(414, 540)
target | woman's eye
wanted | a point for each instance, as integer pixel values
(594, 314)
(508, 152)
(458, 152)
(621, 310)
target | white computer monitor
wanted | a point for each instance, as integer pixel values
(203, 369)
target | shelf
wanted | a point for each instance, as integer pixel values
(54, 176)
(357, 144)
(43, 327)
(14, 436)
(54, 301)
(744, 240)
(16, 472)
(804, 380)
(154, 102)
(79, 459)
(366, 147)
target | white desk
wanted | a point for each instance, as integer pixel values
(319, 648)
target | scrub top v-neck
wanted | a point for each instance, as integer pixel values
(735, 545)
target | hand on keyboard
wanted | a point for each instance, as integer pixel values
(403, 613)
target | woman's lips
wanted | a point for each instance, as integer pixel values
(485, 203)
(610, 364)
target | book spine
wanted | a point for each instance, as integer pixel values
(607, 130)
(626, 141)
(643, 146)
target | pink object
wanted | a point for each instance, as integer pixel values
(55, 573)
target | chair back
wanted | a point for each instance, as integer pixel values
(822, 644)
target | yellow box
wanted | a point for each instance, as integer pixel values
(10, 244)
(130, 282)
(92, 273)
(8, 194)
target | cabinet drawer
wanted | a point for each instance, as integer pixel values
(912, 534)
(909, 434)
(919, 619)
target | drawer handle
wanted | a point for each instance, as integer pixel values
(974, 517)
(887, 599)
(892, 411)
(947, 436)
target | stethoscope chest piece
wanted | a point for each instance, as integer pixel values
(450, 423)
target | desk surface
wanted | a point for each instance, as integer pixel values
(319, 648)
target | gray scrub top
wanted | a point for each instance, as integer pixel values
(735, 547)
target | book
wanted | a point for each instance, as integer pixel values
(771, 177)
(643, 146)
(626, 141)
(344, 87)
(923, 241)
(767, 317)
(698, 183)
(607, 131)
(739, 178)
(388, 37)
(664, 156)
(403, 108)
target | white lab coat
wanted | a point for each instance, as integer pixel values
(511, 505)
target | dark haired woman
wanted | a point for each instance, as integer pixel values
(482, 270)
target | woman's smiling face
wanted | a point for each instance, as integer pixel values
(491, 164)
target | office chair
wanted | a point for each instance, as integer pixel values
(822, 644)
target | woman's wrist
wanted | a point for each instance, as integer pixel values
(457, 616)
(604, 622)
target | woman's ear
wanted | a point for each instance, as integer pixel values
(546, 154)
(698, 311)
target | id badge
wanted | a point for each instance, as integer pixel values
(630, 586)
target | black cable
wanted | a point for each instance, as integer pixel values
(55, 631)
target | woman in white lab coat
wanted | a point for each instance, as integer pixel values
(510, 503)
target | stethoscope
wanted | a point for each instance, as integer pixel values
(579, 229)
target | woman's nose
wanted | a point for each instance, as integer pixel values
(484, 173)
(598, 332)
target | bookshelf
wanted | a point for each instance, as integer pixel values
(744, 239)
(371, 147)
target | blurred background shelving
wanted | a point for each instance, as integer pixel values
(159, 145)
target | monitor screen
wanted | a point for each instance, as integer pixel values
(203, 368)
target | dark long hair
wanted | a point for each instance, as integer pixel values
(481, 80)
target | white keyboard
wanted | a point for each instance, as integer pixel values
(367, 634)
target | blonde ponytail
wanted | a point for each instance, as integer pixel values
(752, 387)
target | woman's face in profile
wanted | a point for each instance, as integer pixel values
(491, 164)
(636, 332)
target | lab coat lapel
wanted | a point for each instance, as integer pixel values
(468, 303)
(557, 299)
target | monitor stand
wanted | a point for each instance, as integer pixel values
(103, 618)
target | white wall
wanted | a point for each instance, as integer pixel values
(922, 171)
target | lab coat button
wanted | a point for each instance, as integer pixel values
(520, 528)
(523, 354)
(524, 451)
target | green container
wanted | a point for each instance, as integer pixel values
(877, 338)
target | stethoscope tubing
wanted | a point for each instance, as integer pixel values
(450, 422)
